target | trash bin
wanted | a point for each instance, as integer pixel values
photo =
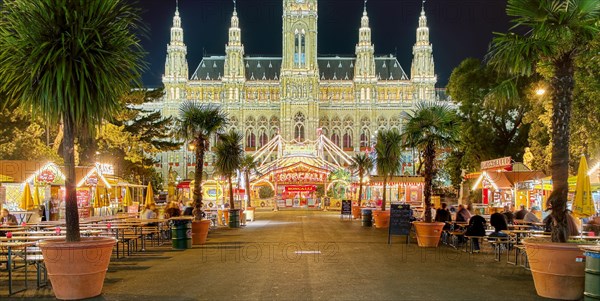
(367, 218)
(181, 233)
(234, 218)
(592, 274)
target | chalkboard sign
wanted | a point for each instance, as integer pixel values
(400, 224)
(346, 207)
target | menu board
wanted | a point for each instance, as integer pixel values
(346, 207)
(400, 224)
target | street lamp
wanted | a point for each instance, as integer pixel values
(540, 91)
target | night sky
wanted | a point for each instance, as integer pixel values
(458, 29)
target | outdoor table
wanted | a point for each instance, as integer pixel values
(10, 247)
(519, 226)
(22, 216)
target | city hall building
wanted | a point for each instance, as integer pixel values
(300, 97)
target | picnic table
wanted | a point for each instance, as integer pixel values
(10, 248)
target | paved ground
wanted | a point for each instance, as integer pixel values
(261, 262)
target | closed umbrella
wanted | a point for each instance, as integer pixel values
(149, 194)
(97, 200)
(26, 199)
(36, 196)
(583, 206)
(127, 200)
(106, 199)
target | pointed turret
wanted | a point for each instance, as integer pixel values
(364, 68)
(176, 66)
(234, 60)
(423, 70)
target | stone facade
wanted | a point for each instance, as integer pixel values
(350, 98)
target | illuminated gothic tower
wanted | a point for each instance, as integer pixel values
(299, 70)
(364, 69)
(176, 66)
(422, 70)
(235, 73)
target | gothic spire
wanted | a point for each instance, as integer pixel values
(365, 60)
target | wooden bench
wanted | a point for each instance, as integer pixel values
(499, 244)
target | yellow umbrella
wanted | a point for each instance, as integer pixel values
(106, 199)
(149, 194)
(127, 201)
(26, 199)
(36, 196)
(583, 206)
(97, 201)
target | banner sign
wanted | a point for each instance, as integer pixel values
(307, 177)
(496, 163)
(300, 188)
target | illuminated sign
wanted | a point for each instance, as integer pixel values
(300, 188)
(105, 169)
(46, 176)
(496, 163)
(300, 177)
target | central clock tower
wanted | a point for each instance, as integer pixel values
(299, 70)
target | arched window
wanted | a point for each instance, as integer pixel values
(250, 139)
(263, 138)
(335, 137)
(348, 138)
(299, 47)
(299, 127)
(365, 137)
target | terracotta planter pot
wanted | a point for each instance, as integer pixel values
(77, 269)
(382, 218)
(356, 212)
(200, 231)
(428, 234)
(558, 269)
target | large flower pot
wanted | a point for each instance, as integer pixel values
(428, 234)
(382, 218)
(77, 269)
(200, 231)
(558, 269)
(356, 212)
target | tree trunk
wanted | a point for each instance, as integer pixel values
(429, 160)
(71, 212)
(201, 147)
(562, 96)
(384, 193)
(231, 203)
(360, 184)
(247, 178)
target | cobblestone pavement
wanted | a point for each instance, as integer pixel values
(307, 255)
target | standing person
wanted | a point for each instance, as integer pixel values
(476, 228)
(508, 215)
(519, 215)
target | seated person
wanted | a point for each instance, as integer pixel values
(498, 221)
(7, 218)
(521, 213)
(508, 215)
(149, 212)
(172, 210)
(462, 215)
(443, 215)
(476, 228)
(531, 216)
(189, 209)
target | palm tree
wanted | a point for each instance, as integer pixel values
(431, 126)
(388, 152)
(197, 123)
(248, 165)
(69, 61)
(556, 32)
(362, 164)
(229, 158)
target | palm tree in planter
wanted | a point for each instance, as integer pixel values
(70, 61)
(362, 165)
(197, 124)
(388, 151)
(431, 126)
(546, 38)
(248, 165)
(230, 153)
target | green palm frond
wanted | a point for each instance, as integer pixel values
(199, 120)
(362, 164)
(74, 57)
(388, 149)
(229, 153)
(431, 122)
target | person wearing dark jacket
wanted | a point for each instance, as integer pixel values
(508, 215)
(476, 228)
(443, 215)
(519, 215)
(498, 221)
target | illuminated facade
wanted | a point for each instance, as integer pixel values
(349, 98)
